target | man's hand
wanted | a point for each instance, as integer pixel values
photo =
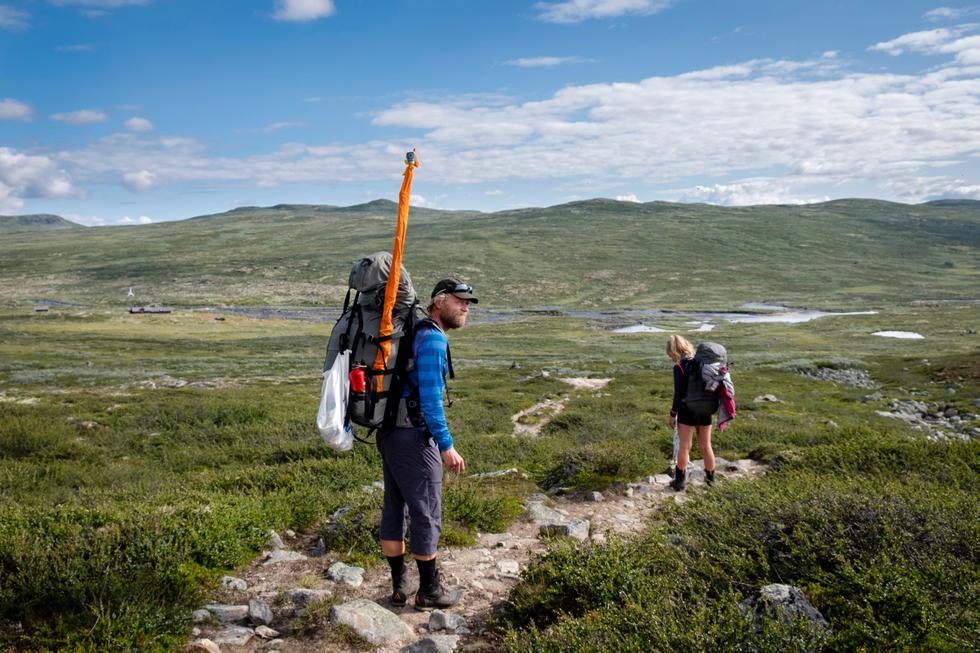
(453, 461)
(672, 421)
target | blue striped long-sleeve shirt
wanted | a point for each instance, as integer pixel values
(429, 376)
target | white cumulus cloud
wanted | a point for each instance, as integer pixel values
(81, 117)
(137, 124)
(11, 109)
(14, 19)
(949, 13)
(756, 131)
(23, 175)
(576, 11)
(628, 197)
(139, 181)
(541, 62)
(301, 11)
(747, 193)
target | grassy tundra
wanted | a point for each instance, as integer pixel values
(143, 456)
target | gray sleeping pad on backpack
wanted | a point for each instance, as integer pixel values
(710, 353)
(369, 276)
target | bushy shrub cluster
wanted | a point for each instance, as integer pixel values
(891, 563)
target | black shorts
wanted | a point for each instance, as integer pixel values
(687, 418)
(413, 488)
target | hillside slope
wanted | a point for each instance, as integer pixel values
(36, 222)
(600, 253)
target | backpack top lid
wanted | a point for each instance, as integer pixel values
(710, 353)
(370, 275)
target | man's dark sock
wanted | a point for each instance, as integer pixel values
(397, 564)
(427, 574)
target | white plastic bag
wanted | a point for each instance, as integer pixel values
(331, 419)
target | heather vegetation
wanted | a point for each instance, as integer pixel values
(141, 457)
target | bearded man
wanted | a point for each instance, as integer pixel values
(415, 450)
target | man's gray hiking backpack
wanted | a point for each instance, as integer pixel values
(351, 389)
(697, 398)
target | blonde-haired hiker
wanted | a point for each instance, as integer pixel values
(681, 351)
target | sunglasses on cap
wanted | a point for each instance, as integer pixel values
(459, 287)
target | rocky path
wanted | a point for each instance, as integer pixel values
(266, 608)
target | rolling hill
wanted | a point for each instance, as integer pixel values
(37, 222)
(599, 253)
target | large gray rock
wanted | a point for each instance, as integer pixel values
(784, 603)
(433, 644)
(346, 574)
(371, 622)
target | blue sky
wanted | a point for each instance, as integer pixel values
(129, 111)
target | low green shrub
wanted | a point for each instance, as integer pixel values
(890, 563)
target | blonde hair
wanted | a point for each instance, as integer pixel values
(435, 302)
(678, 347)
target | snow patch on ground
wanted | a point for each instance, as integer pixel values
(904, 335)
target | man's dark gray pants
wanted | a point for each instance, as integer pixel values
(412, 469)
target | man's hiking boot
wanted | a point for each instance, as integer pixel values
(709, 477)
(435, 596)
(399, 596)
(680, 479)
(399, 585)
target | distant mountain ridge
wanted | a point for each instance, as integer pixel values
(35, 222)
(599, 253)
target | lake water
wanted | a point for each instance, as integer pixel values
(630, 320)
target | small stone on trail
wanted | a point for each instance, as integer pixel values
(259, 612)
(228, 613)
(661, 479)
(275, 542)
(203, 646)
(200, 616)
(574, 528)
(767, 398)
(346, 574)
(233, 583)
(596, 496)
(440, 620)
(266, 633)
(302, 597)
(433, 644)
(233, 636)
(290, 533)
(282, 555)
(509, 567)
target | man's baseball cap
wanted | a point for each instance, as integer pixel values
(456, 287)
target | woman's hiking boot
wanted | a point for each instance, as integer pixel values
(709, 477)
(680, 479)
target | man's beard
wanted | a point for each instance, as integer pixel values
(452, 320)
